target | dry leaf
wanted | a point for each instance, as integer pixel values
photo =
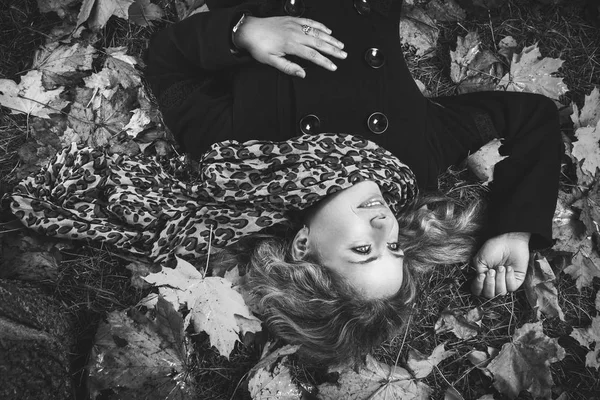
(585, 265)
(507, 47)
(60, 7)
(417, 29)
(452, 394)
(29, 96)
(374, 381)
(98, 12)
(422, 365)
(587, 336)
(186, 8)
(590, 113)
(483, 161)
(464, 326)
(472, 68)
(597, 303)
(141, 357)
(446, 10)
(60, 63)
(586, 149)
(567, 229)
(540, 290)
(524, 363)
(481, 359)
(142, 12)
(529, 72)
(214, 306)
(270, 378)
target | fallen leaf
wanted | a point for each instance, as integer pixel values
(529, 72)
(507, 47)
(597, 303)
(186, 8)
(29, 96)
(29, 257)
(417, 29)
(98, 12)
(374, 381)
(587, 336)
(271, 377)
(138, 271)
(142, 13)
(446, 10)
(540, 290)
(60, 62)
(481, 359)
(590, 113)
(483, 161)
(60, 7)
(585, 265)
(452, 394)
(141, 357)
(472, 68)
(214, 306)
(524, 363)
(586, 149)
(464, 326)
(590, 208)
(422, 365)
(567, 229)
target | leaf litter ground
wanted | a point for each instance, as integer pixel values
(94, 282)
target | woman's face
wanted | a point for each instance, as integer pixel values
(354, 233)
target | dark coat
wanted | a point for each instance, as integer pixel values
(208, 94)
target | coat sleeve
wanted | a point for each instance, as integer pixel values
(187, 67)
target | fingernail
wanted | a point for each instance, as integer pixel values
(501, 269)
(300, 74)
(481, 277)
(509, 269)
(492, 272)
(344, 54)
(333, 67)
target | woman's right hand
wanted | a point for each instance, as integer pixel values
(270, 40)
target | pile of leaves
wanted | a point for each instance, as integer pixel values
(81, 90)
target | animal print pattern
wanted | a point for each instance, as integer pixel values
(134, 204)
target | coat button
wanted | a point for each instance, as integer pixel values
(310, 124)
(377, 123)
(362, 7)
(374, 57)
(294, 8)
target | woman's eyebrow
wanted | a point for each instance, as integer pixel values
(375, 258)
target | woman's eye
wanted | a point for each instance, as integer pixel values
(394, 246)
(363, 249)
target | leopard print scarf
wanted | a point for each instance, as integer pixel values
(134, 204)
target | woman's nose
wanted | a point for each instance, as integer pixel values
(381, 221)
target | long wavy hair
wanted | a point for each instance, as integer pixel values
(305, 303)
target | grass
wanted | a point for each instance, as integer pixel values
(93, 281)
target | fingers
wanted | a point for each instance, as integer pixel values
(500, 288)
(313, 24)
(489, 285)
(514, 279)
(477, 284)
(315, 57)
(287, 67)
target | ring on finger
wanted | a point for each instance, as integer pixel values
(306, 29)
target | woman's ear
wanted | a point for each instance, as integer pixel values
(300, 244)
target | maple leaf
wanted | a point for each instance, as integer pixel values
(271, 377)
(422, 365)
(142, 13)
(585, 265)
(98, 12)
(483, 161)
(141, 357)
(214, 306)
(417, 29)
(567, 229)
(186, 8)
(29, 97)
(58, 6)
(449, 10)
(471, 67)
(60, 62)
(374, 381)
(540, 290)
(507, 47)
(586, 149)
(590, 113)
(464, 326)
(523, 364)
(587, 336)
(531, 73)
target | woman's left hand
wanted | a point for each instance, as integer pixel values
(501, 264)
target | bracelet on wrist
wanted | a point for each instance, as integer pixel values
(234, 49)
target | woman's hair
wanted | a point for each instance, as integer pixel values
(307, 304)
